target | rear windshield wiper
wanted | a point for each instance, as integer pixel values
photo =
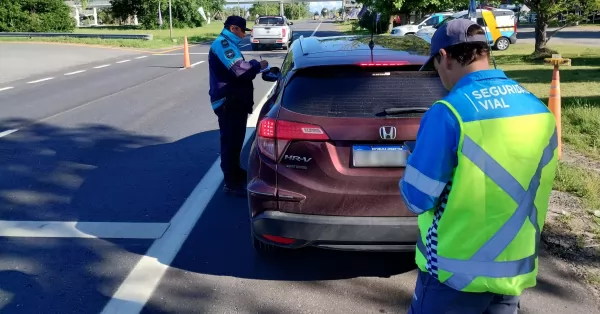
(395, 111)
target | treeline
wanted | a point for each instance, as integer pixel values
(35, 16)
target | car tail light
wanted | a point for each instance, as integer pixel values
(516, 23)
(385, 64)
(283, 33)
(274, 135)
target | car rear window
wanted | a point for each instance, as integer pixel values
(270, 20)
(361, 92)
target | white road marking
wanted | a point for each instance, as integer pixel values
(195, 64)
(143, 279)
(40, 80)
(316, 29)
(141, 57)
(102, 66)
(179, 54)
(75, 229)
(8, 132)
(6, 88)
(123, 61)
(76, 72)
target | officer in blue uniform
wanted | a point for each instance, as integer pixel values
(232, 98)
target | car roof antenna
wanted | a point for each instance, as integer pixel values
(372, 43)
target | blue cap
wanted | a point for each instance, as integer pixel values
(237, 21)
(452, 33)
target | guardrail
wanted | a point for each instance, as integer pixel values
(76, 35)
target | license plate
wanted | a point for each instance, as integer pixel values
(379, 156)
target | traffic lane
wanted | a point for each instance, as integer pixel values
(217, 271)
(571, 35)
(134, 156)
(42, 275)
(21, 60)
(39, 100)
(304, 28)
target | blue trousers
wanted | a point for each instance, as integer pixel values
(434, 297)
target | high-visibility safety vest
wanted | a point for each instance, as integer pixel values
(487, 232)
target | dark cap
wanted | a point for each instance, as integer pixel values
(449, 34)
(237, 21)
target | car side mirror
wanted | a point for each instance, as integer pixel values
(290, 23)
(272, 75)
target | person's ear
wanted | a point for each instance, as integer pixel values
(445, 61)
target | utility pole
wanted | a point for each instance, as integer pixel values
(170, 21)
(239, 9)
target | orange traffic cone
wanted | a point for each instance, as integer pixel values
(555, 106)
(186, 53)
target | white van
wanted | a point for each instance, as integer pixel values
(427, 22)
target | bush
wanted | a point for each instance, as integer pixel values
(35, 16)
(368, 21)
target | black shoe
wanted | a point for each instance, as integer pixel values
(236, 190)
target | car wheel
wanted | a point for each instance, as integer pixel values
(263, 248)
(502, 44)
(285, 47)
(254, 46)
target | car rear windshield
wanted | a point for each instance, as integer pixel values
(361, 92)
(270, 20)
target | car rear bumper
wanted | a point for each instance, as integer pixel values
(336, 232)
(267, 41)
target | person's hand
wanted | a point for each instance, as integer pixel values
(264, 64)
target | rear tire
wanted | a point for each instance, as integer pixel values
(263, 248)
(502, 44)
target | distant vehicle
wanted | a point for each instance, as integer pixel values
(427, 22)
(330, 146)
(316, 17)
(271, 31)
(500, 26)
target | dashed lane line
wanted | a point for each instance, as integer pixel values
(6, 88)
(40, 80)
(75, 72)
(102, 66)
(141, 57)
(76, 229)
(195, 64)
(123, 61)
(137, 288)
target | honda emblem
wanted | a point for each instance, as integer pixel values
(387, 132)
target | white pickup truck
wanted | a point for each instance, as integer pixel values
(271, 31)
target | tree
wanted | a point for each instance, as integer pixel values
(185, 12)
(324, 12)
(35, 16)
(548, 11)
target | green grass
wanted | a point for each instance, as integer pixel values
(161, 38)
(580, 90)
(579, 182)
(350, 28)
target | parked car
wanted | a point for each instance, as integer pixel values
(271, 31)
(500, 26)
(329, 150)
(427, 22)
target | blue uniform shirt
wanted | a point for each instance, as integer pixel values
(230, 75)
(430, 167)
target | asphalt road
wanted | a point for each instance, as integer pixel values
(585, 36)
(103, 174)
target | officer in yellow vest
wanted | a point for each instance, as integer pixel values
(479, 178)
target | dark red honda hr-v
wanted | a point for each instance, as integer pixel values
(329, 148)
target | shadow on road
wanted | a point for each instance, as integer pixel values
(97, 173)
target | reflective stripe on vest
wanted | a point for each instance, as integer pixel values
(483, 263)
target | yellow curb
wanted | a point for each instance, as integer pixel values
(173, 49)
